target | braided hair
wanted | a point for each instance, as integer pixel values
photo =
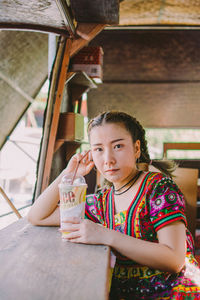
(137, 132)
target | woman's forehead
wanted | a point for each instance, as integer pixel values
(109, 131)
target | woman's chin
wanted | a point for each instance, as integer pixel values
(112, 178)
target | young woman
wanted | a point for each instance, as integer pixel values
(141, 213)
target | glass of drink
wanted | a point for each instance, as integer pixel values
(72, 199)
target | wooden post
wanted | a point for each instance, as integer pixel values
(56, 113)
(49, 112)
(86, 32)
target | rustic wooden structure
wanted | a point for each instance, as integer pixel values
(66, 18)
(151, 69)
(24, 70)
(37, 264)
(58, 17)
(159, 64)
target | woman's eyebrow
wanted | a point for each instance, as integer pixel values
(117, 140)
(98, 144)
(112, 142)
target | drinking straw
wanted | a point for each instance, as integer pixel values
(76, 169)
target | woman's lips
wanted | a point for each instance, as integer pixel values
(111, 171)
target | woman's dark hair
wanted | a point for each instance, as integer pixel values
(137, 132)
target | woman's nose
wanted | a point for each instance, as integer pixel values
(109, 157)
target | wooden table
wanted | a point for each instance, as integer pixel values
(36, 264)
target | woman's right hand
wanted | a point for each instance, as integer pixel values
(85, 165)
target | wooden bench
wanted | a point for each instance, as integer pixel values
(37, 264)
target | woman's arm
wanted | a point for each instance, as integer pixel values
(45, 210)
(166, 255)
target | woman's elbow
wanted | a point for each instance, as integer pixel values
(180, 265)
(177, 266)
(32, 219)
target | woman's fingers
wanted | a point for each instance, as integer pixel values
(84, 161)
(72, 235)
(82, 156)
(71, 224)
(86, 232)
(85, 157)
(69, 227)
(89, 166)
(90, 156)
(85, 164)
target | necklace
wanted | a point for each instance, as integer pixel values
(134, 179)
(126, 183)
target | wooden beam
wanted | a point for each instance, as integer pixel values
(86, 32)
(56, 113)
(58, 144)
(180, 146)
(96, 11)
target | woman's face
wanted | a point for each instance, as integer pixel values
(114, 153)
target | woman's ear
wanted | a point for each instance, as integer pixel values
(137, 149)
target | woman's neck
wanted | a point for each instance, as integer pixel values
(126, 183)
(123, 201)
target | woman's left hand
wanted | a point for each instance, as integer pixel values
(84, 161)
(85, 231)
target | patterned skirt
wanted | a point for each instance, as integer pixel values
(129, 283)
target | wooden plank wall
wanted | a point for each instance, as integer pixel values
(159, 105)
(152, 74)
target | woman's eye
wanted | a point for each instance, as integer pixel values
(118, 146)
(98, 149)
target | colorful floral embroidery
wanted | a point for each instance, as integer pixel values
(158, 203)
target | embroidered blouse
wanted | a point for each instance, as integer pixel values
(157, 203)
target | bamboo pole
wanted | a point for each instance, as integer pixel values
(10, 203)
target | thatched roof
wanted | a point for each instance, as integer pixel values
(159, 12)
(23, 65)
